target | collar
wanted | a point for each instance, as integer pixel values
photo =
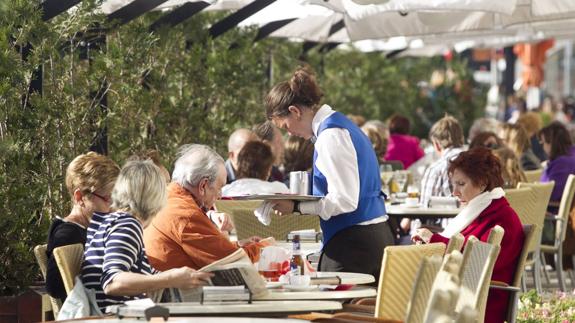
(323, 113)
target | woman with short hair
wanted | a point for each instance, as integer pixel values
(89, 179)
(115, 263)
(476, 178)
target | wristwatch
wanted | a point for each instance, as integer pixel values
(296, 207)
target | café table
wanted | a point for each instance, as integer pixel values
(319, 294)
(211, 319)
(256, 308)
(419, 212)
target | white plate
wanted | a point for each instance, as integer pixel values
(298, 288)
(272, 285)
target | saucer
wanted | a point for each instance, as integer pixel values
(300, 288)
(272, 285)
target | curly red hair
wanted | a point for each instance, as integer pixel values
(480, 165)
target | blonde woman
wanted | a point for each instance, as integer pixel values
(89, 179)
(116, 266)
(516, 138)
(510, 170)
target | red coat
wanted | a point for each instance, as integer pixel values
(497, 213)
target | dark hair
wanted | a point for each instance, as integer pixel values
(399, 124)
(558, 137)
(255, 160)
(264, 131)
(480, 165)
(301, 90)
(480, 138)
(298, 154)
(447, 132)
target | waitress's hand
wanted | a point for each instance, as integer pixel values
(421, 235)
(283, 207)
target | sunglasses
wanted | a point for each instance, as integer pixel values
(103, 198)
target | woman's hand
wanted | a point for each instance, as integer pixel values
(421, 235)
(185, 277)
(283, 207)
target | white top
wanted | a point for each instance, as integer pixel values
(246, 186)
(337, 161)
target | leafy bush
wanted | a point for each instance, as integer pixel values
(553, 308)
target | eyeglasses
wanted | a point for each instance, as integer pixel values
(103, 198)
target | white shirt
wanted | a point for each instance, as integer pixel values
(337, 161)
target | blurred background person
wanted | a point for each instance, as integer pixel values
(115, 263)
(298, 155)
(89, 179)
(154, 156)
(516, 138)
(510, 169)
(357, 119)
(402, 146)
(272, 136)
(477, 183)
(255, 163)
(531, 122)
(378, 134)
(482, 125)
(236, 142)
(487, 139)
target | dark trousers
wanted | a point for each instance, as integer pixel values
(357, 249)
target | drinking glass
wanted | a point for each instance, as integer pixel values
(400, 179)
(386, 174)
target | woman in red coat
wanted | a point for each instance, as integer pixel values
(476, 180)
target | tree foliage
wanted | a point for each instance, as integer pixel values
(162, 89)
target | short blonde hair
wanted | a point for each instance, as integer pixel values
(140, 189)
(531, 121)
(90, 173)
(447, 132)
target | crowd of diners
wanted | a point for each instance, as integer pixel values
(145, 231)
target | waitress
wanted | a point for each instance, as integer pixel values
(345, 171)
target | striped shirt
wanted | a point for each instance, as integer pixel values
(435, 181)
(113, 245)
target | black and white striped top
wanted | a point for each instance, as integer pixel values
(113, 245)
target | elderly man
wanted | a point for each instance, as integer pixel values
(236, 142)
(182, 234)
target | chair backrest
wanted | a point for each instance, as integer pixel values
(422, 288)
(69, 260)
(564, 209)
(455, 243)
(529, 233)
(478, 262)
(445, 291)
(542, 192)
(533, 176)
(398, 270)
(42, 259)
(523, 200)
(247, 224)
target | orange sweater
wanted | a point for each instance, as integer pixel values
(181, 234)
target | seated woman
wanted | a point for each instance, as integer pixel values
(476, 179)
(516, 138)
(89, 179)
(402, 146)
(115, 263)
(510, 170)
(255, 162)
(487, 139)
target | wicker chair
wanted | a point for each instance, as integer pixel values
(533, 176)
(536, 217)
(561, 224)
(478, 262)
(530, 233)
(69, 260)
(247, 224)
(42, 259)
(455, 243)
